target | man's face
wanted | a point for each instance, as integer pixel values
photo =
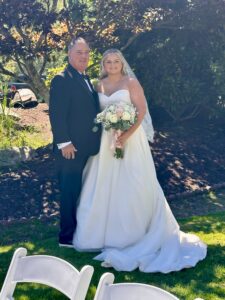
(79, 55)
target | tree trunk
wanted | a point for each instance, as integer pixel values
(40, 89)
(36, 81)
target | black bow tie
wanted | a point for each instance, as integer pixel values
(85, 76)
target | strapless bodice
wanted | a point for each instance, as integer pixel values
(122, 95)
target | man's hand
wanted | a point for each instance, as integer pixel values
(68, 151)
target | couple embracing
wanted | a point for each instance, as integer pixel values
(113, 206)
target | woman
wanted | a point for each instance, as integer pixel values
(123, 211)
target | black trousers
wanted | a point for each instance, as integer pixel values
(70, 183)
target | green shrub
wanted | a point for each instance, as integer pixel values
(52, 72)
(7, 122)
(175, 69)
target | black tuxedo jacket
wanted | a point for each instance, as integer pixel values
(72, 110)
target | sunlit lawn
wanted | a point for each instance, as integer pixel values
(206, 280)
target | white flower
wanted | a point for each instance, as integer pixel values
(100, 117)
(126, 116)
(119, 111)
(127, 107)
(108, 116)
(111, 107)
(113, 118)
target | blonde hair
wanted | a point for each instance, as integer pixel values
(124, 71)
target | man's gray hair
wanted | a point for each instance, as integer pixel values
(74, 40)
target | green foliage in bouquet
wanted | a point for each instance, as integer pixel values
(117, 117)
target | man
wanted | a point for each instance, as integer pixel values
(73, 107)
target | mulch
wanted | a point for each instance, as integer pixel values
(189, 160)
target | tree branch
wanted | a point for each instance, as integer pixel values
(40, 41)
(70, 30)
(65, 4)
(130, 41)
(14, 59)
(26, 39)
(54, 5)
(44, 64)
(170, 114)
(193, 114)
(5, 71)
(19, 63)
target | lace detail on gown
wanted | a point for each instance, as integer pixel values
(123, 210)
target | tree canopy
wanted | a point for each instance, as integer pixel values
(175, 46)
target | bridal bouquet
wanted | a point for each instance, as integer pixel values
(117, 117)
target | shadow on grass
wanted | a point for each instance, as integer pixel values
(40, 237)
(201, 281)
(205, 224)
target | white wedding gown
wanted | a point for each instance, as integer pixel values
(124, 214)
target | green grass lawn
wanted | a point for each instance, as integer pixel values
(206, 280)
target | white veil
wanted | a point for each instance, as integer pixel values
(147, 121)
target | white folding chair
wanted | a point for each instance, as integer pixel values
(48, 270)
(106, 290)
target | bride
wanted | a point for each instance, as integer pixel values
(123, 212)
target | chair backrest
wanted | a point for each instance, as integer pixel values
(48, 270)
(133, 291)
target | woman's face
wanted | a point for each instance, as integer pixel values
(112, 64)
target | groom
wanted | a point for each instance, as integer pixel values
(73, 107)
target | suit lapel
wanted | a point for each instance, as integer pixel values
(74, 74)
(94, 94)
